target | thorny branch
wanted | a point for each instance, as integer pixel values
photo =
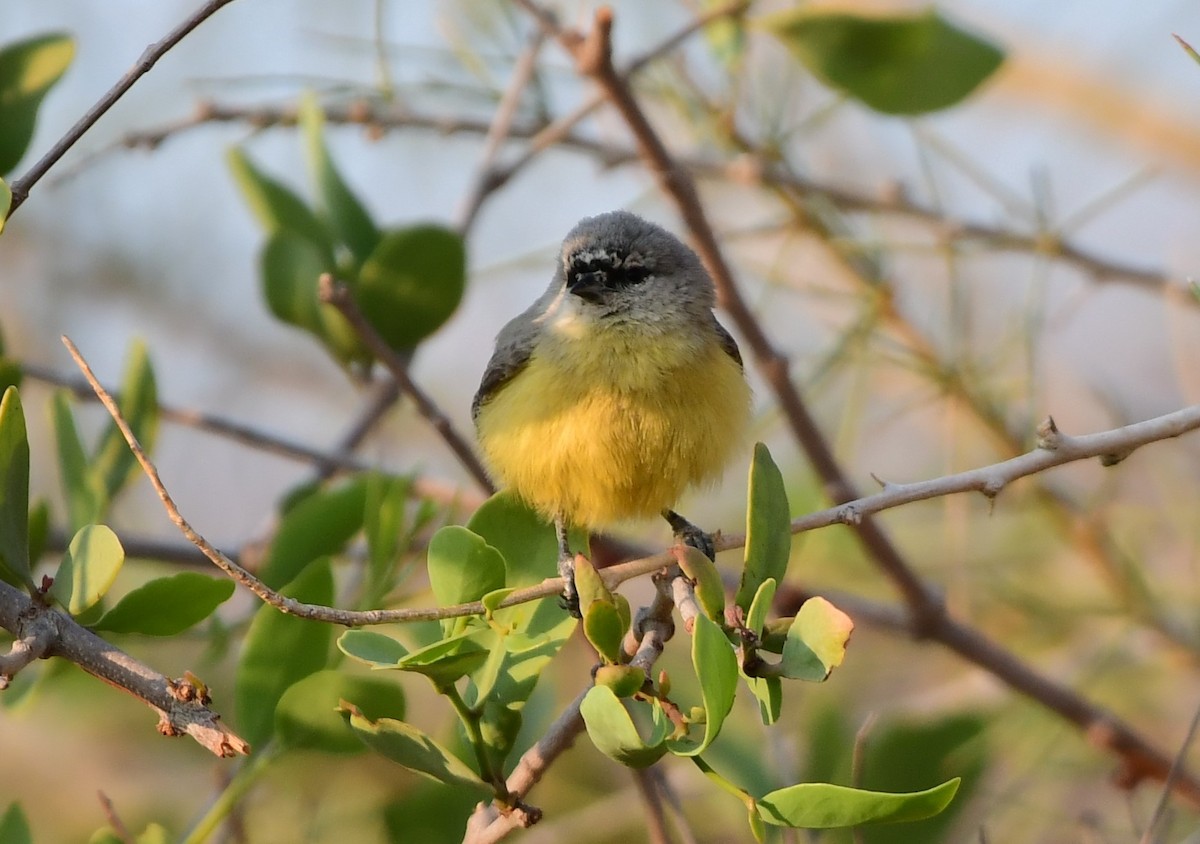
(927, 613)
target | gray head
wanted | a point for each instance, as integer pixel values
(619, 265)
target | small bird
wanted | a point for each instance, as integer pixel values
(617, 389)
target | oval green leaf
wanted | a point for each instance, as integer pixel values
(710, 591)
(613, 732)
(901, 64)
(371, 648)
(602, 627)
(14, 491)
(14, 826)
(277, 208)
(407, 745)
(86, 500)
(88, 568)
(28, 69)
(462, 568)
(412, 283)
(280, 650)
(823, 806)
(768, 527)
(347, 217)
(816, 641)
(114, 464)
(716, 667)
(168, 605)
(309, 713)
(317, 526)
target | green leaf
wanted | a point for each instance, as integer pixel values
(449, 660)
(347, 217)
(280, 650)
(716, 667)
(530, 551)
(624, 680)
(278, 209)
(1189, 49)
(114, 463)
(768, 527)
(756, 616)
(14, 492)
(900, 64)
(816, 641)
(462, 568)
(88, 568)
(320, 525)
(412, 283)
(767, 690)
(14, 827)
(153, 834)
(386, 499)
(405, 744)
(590, 585)
(309, 713)
(523, 538)
(167, 606)
(910, 754)
(614, 734)
(291, 266)
(373, 649)
(39, 529)
(28, 69)
(5, 203)
(86, 498)
(602, 625)
(823, 806)
(710, 591)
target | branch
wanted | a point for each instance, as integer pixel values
(1054, 449)
(182, 705)
(21, 187)
(1141, 759)
(593, 58)
(336, 293)
(326, 462)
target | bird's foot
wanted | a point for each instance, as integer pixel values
(689, 534)
(569, 599)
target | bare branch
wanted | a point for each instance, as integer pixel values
(336, 293)
(182, 705)
(21, 187)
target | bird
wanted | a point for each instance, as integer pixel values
(616, 390)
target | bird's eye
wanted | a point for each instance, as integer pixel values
(634, 275)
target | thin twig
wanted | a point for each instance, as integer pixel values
(1177, 770)
(500, 129)
(114, 820)
(327, 463)
(22, 186)
(647, 781)
(336, 293)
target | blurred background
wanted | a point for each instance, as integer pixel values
(940, 285)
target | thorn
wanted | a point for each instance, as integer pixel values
(882, 483)
(1048, 434)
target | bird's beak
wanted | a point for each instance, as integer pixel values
(588, 286)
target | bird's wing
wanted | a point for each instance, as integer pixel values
(727, 342)
(514, 346)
